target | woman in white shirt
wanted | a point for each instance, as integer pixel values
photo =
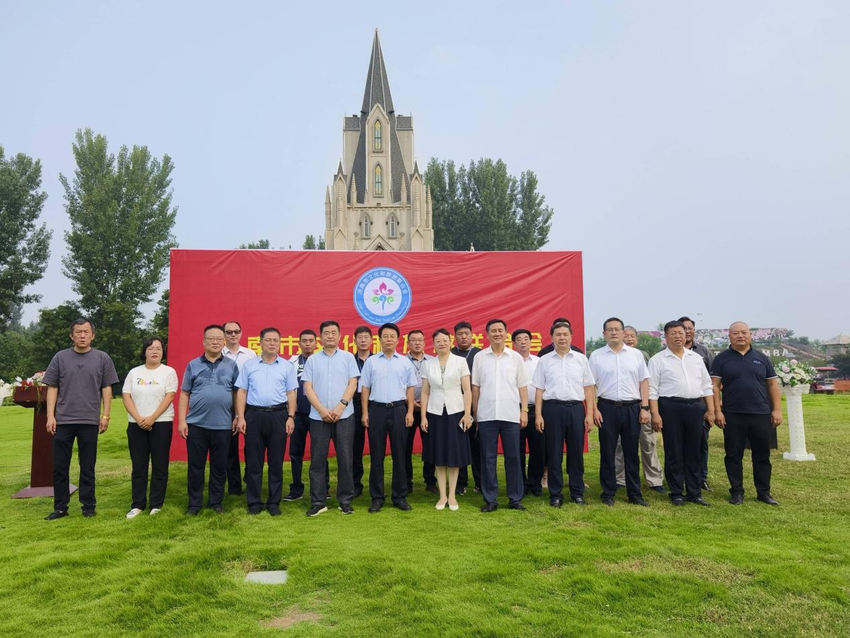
(447, 395)
(148, 395)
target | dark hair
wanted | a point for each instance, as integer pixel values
(673, 324)
(441, 331)
(686, 318)
(609, 320)
(560, 324)
(231, 321)
(327, 324)
(389, 326)
(492, 321)
(415, 332)
(563, 320)
(360, 329)
(81, 321)
(463, 324)
(213, 326)
(148, 343)
(520, 331)
(307, 332)
(265, 331)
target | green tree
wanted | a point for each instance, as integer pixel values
(650, 344)
(593, 344)
(159, 323)
(16, 355)
(310, 243)
(842, 362)
(486, 207)
(51, 333)
(24, 246)
(121, 216)
(263, 244)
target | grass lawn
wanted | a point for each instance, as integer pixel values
(718, 571)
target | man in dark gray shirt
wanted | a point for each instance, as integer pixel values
(79, 380)
(692, 344)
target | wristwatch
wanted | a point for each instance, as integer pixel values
(343, 401)
(645, 408)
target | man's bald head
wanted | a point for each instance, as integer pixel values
(738, 323)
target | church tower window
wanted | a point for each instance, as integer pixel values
(393, 227)
(379, 181)
(366, 227)
(379, 142)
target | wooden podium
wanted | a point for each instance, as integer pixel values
(41, 465)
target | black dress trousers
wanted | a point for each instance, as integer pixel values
(63, 448)
(200, 442)
(149, 447)
(754, 429)
(619, 422)
(536, 443)
(428, 469)
(682, 431)
(234, 469)
(387, 422)
(265, 435)
(564, 422)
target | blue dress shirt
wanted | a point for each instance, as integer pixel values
(267, 383)
(330, 375)
(388, 378)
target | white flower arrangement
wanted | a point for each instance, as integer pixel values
(793, 373)
(35, 380)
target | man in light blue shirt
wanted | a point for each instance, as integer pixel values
(265, 414)
(330, 380)
(387, 395)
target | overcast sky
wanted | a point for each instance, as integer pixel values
(698, 154)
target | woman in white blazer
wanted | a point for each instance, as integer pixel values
(447, 395)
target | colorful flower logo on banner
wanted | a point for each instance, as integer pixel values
(382, 295)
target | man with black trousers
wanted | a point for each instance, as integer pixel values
(265, 415)
(463, 348)
(564, 382)
(79, 384)
(622, 407)
(751, 405)
(206, 420)
(387, 401)
(680, 399)
(239, 354)
(418, 357)
(529, 436)
(692, 344)
(363, 343)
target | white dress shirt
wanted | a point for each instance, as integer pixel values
(563, 378)
(618, 374)
(686, 378)
(530, 366)
(240, 356)
(499, 380)
(445, 390)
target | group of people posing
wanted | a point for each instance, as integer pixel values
(463, 401)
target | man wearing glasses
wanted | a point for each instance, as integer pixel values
(206, 418)
(239, 355)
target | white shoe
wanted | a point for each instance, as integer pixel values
(440, 506)
(155, 510)
(454, 508)
(133, 513)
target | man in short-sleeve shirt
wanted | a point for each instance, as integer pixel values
(239, 354)
(206, 419)
(79, 382)
(750, 407)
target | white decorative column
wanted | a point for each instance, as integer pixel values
(796, 428)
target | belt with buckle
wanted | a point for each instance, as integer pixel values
(388, 406)
(681, 400)
(559, 402)
(619, 403)
(266, 408)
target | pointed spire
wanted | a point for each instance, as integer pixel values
(377, 85)
(327, 195)
(339, 170)
(352, 195)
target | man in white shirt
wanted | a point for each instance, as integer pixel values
(622, 389)
(529, 435)
(417, 355)
(500, 404)
(563, 380)
(680, 399)
(239, 355)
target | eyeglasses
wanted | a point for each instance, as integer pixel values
(233, 332)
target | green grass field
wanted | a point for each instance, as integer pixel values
(719, 571)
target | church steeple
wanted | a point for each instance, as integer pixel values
(377, 85)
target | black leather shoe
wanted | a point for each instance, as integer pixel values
(346, 509)
(556, 502)
(193, 511)
(218, 509)
(461, 491)
(638, 500)
(88, 512)
(253, 511)
(292, 497)
(579, 500)
(607, 500)
(433, 489)
(699, 501)
(476, 489)
(517, 506)
(737, 499)
(375, 507)
(403, 505)
(658, 488)
(706, 486)
(767, 498)
(274, 510)
(678, 502)
(489, 507)
(56, 514)
(316, 510)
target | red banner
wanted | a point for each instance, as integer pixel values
(294, 290)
